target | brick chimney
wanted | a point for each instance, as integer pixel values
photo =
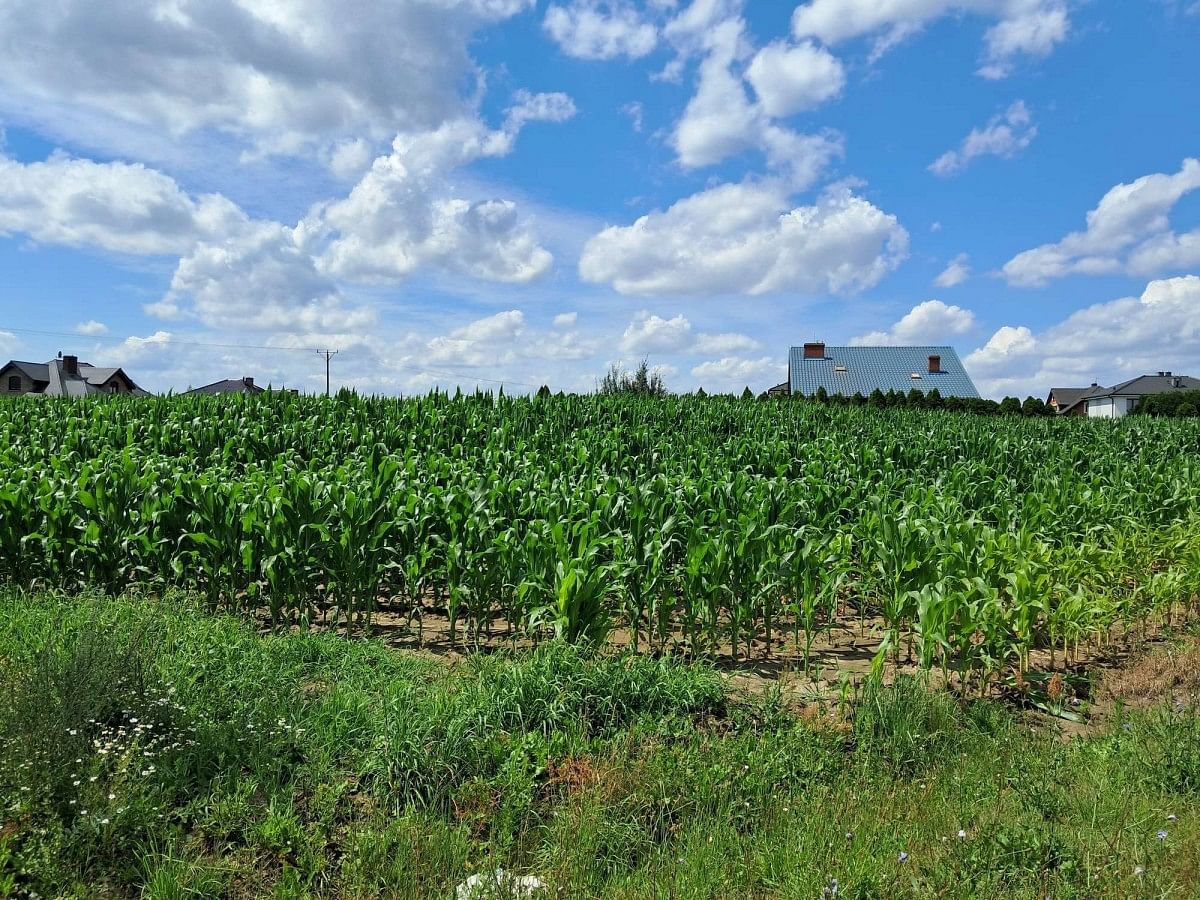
(71, 366)
(248, 382)
(935, 363)
(815, 350)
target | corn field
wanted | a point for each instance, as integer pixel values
(689, 523)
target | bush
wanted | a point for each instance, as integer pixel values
(642, 382)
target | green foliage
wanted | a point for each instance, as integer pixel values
(1179, 404)
(691, 522)
(313, 765)
(642, 382)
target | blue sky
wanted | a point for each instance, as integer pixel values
(469, 192)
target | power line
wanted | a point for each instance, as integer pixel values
(100, 339)
(465, 376)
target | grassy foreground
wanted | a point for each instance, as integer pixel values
(150, 750)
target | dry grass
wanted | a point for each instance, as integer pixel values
(1168, 673)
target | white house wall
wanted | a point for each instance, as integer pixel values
(1110, 407)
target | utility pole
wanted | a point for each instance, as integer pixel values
(328, 354)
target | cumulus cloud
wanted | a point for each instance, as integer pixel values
(956, 272)
(262, 280)
(720, 120)
(653, 334)
(396, 219)
(1105, 342)
(484, 341)
(119, 207)
(279, 76)
(1129, 230)
(600, 29)
(733, 372)
(566, 320)
(91, 327)
(1005, 135)
(748, 239)
(791, 79)
(931, 322)
(1024, 28)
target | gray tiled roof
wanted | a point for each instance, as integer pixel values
(58, 383)
(228, 386)
(1153, 384)
(1067, 397)
(33, 371)
(885, 368)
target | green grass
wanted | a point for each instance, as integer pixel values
(315, 766)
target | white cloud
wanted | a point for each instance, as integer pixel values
(8, 342)
(1025, 27)
(747, 239)
(956, 272)
(485, 341)
(1105, 342)
(1129, 230)
(261, 280)
(397, 219)
(726, 343)
(91, 327)
(1005, 135)
(278, 76)
(791, 79)
(600, 29)
(348, 159)
(733, 372)
(720, 121)
(119, 207)
(654, 334)
(636, 112)
(566, 320)
(931, 322)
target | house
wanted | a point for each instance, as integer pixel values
(228, 386)
(862, 370)
(65, 376)
(1068, 401)
(1120, 400)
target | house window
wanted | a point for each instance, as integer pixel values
(114, 388)
(14, 383)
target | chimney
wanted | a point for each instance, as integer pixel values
(815, 350)
(935, 363)
(71, 365)
(248, 382)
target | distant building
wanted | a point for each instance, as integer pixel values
(862, 370)
(65, 377)
(1068, 401)
(1115, 402)
(229, 386)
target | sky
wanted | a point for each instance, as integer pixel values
(521, 192)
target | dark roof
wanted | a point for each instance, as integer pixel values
(861, 370)
(33, 371)
(1067, 396)
(228, 386)
(57, 383)
(1152, 384)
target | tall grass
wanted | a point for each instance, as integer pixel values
(310, 765)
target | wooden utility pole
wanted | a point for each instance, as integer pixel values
(328, 354)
